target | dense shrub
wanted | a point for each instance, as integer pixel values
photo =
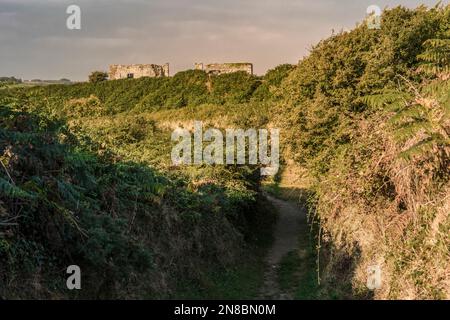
(98, 76)
(367, 113)
(269, 89)
(66, 200)
(187, 88)
(233, 88)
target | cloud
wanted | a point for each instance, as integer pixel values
(36, 43)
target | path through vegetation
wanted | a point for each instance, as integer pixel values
(290, 226)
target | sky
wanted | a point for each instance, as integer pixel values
(36, 43)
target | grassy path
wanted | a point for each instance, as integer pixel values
(290, 270)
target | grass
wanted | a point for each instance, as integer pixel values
(298, 270)
(297, 274)
(245, 280)
(241, 282)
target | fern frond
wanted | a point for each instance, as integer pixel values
(408, 130)
(436, 56)
(414, 112)
(392, 99)
(418, 149)
(11, 191)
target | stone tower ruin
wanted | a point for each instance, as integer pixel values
(221, 68)
(124, 71)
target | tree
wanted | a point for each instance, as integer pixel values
(98, 76)
(10, 80)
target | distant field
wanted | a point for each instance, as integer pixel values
(6, 85)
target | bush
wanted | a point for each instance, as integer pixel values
(98, 76)
(233, 88)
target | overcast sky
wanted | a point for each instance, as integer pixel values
(35, 42)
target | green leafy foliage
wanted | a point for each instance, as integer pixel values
(367, 114)
(72, 202)
(436, 56)
(233, 88)
(269, 88)
(98, 76)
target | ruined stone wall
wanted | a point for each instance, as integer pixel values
(121, 71)
(221, 68)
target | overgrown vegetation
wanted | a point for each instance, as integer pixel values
(82, 183)
(190, 88)
(86, 175)
(368, 116)
(120, 221)
(98, 76)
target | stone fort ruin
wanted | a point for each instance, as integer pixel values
(123, 71)
(130, 71)
(221, 68)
